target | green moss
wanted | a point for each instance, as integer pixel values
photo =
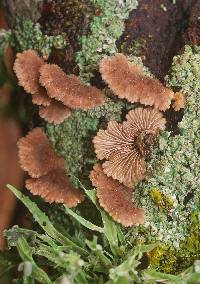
(156, 195)
(105, 28)
(72, 139)
(190, 247)
(164, 202)
(162, 258)
(27, 35)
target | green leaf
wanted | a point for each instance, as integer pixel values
(92, 196)
(12, 235)
(99, 252)
(126, 271)
(44, 221)
(159, 277)
(140, 249)
(192, 274)
(194, 278)
(112, 231)
(70, 261)
(33, 271)
(81, 278)
(83, 221)
(121, 280)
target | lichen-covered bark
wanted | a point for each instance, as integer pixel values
(175, 175)
(71, 19)
(156, 31)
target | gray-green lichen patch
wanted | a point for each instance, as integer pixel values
(27, 35)
(73, 138)
(105, 28)
(175, 165)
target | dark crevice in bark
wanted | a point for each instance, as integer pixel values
(192, 34)
(155, 32)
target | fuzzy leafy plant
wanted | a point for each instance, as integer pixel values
(48, 256)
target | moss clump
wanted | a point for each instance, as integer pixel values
(106, 28)
(162, 258)
(163, 202)
(72, 140)
(27, 35)
(190, 247)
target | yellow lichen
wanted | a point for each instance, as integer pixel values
(163, 201)
(155, 194)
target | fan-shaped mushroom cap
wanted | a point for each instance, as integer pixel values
(55, 113)
(69, 89)
(127, 82)
(36, 155)
(26, 67)
(116, 199)
(179, 101)
(55, 187)
(124, 145)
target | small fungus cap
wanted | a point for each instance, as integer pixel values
(125, 145)
(69, 89)
(127, 81)
(26, 67)
(116, 199)
(36, 155)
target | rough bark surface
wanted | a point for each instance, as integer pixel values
(155, 30)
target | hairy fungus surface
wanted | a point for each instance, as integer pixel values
(116, 199)
(36, 155)
(41, 98)
(179, 101)
(55, 187)
(55, 113)
(125, 146)
(26, 67)
(69, 89)
(128, 82)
